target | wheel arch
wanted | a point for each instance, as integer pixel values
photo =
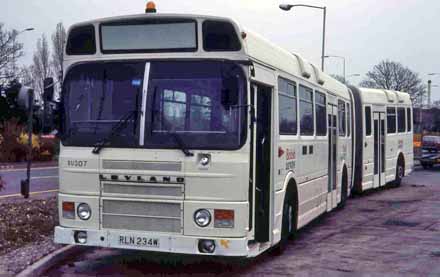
(291, 186)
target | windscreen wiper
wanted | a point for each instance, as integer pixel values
(173, 134)
(181, 144)
(122, 123)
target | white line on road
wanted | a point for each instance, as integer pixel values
(30, 193)
(32, 169)
(43, 177)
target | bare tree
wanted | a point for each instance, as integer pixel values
(10, 51)
(339, 78)
(394, 76)
(58, 43)
(41, 67)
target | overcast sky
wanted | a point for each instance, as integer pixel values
(364, 31)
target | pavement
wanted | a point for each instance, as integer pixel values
(44, 179)
(391, 232)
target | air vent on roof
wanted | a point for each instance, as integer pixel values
(302, 67)
(389, 97)
(318, 75)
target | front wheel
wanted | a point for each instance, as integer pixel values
(288, 226)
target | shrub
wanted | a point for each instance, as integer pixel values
(11, 149)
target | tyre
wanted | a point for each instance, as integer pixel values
(400, 172)
(344, 190)
(424, 165)
(289, 222)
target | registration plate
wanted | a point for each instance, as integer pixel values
(139, 241)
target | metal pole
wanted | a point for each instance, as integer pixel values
(429, 93)
(323, 38)
(27, 182)
(345, 75)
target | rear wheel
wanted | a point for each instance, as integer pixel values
(344, 189)
(400, 172)
(424, 165)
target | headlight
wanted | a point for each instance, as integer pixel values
(84, 211)
(202, 217)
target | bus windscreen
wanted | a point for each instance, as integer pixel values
(141, 37)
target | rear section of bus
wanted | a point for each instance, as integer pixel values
(155, 146)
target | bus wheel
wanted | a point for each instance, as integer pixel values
(344, 189)
(400, 172)
(289, 223)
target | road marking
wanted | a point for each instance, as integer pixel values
(31, 193)
(32, 169)
(43, 177)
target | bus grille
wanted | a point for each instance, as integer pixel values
(150, 190)
(142, 215)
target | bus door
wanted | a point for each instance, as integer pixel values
(332, 111)
(379, 148)
(263, 157)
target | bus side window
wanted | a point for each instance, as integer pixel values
(321, 114)
(408, 119)
(401, 120)
(306, 115)
(342, 120)
(348, 120)
(391, 120)
(368, 121)
(287, 107)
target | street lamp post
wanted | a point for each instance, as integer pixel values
(13, 55)
(343, 59)
(287, 7)
(429, 88)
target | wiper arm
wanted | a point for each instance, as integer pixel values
(122, 123)
(173, 134)
(181, 144)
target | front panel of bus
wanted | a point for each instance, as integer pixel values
(155, 146)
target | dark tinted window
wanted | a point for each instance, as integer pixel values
(287, 107)
(81, 41)
(220, 36)
(321, 116)
(306, 111)
(342, 119)
(401, 120)
(348, 120)
(408, 119)
(368, 121)
(391, 120)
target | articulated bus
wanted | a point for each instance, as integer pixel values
(189, 134)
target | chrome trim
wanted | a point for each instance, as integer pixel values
(144, 104)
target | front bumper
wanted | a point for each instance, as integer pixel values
(179, 244)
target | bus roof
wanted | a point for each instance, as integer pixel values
(255, 48)
(381, 96)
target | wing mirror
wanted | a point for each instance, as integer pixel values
(25, 98)
(49, 116)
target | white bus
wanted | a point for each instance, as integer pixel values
(385, 137)
(189, 134)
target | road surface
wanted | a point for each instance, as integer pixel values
(390, 232)
(43, 180)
